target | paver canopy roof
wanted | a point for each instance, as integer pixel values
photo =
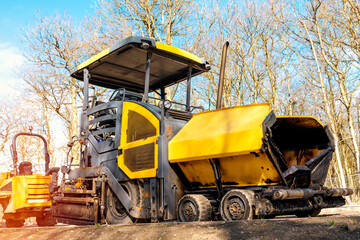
(123, 65)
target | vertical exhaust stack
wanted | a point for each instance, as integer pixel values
(215, 162)
(222, 73)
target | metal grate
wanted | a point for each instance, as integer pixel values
(140, 158)
(139, 127)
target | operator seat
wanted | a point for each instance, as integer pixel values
(25, 168)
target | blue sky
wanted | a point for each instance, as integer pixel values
(14, 14)
(17, 13)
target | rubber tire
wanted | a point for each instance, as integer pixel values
(311, 213)
(11, 223)
(199, 205)
(2, 209)
(246, 200)
(116, 214)
(45, 221)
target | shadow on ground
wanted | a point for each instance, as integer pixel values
(326, 226)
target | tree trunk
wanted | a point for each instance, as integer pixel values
(328, 111)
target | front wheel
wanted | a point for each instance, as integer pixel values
(45, 221)
(194, 207)
(115, 213)
(237, 205)
(11, 223)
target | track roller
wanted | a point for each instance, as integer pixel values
(194, 207)
(237, 205)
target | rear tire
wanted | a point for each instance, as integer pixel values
(45, 221)
(193, 208)
(2, 209)
(115, 213)
(237, 205)
(11, 223)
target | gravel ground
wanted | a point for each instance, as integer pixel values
(337, 223)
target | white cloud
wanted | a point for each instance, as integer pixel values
(10, 61)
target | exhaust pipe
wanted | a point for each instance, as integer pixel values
(215, 162)
(222, 73)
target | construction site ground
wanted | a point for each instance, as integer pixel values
(337, 223)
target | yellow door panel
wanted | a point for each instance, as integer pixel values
(138, 156)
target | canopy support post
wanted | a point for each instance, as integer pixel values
(84, 124)
(147, 77)
(188, 89)
(163, 94)
(86, 89)
(86, 78)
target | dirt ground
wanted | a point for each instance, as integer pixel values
(337, 223)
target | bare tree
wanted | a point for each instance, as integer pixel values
(54, 48)
(321, 31)
(162, 20)
(9, 121)
(18, 117)
(256, 66)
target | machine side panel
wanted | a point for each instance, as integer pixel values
(29, 191)
(237, 171)
(220, 133)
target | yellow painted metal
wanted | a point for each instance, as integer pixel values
(241, 170)
(93, 59)
(3, 177)
(220, 133)
(178, 51)
(234, 137)
(79, 183)
(28, 192)
(124, 145)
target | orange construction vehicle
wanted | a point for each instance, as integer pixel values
(24, 194)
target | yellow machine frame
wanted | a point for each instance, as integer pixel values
(27, 192)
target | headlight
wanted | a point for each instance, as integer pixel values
(166, 103)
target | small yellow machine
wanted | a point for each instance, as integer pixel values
(24, 194)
